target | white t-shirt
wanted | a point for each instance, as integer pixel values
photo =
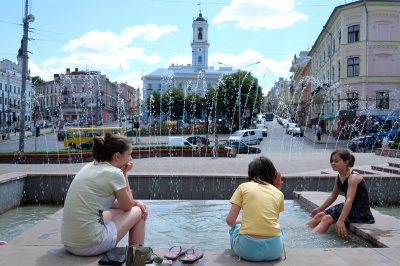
(90, 193)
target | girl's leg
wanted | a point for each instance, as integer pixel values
(316, 219)
(323, 226)
(130, 221)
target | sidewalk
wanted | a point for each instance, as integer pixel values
(325, 139)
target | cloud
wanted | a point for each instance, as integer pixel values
(268, 71)
(107, 50)
(256, 14)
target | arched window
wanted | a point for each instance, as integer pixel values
(200, 34)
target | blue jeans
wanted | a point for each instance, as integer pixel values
(254, 249)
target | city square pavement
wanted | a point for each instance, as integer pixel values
(41, 244)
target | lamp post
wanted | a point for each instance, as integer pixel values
(28, 19)
(239, 90)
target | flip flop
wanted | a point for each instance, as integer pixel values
(191, 255)
(175, 252)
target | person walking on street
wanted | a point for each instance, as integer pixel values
(199, 144)
(385, 143)
(215, 148)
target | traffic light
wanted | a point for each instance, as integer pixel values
(136, 124)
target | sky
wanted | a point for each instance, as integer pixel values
(126, 39)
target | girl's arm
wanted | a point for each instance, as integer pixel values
(353, 182)
(233, 214)
(328, 201)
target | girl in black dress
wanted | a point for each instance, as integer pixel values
(355, 209)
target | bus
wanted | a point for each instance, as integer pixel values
(76, 135)
(269, 116)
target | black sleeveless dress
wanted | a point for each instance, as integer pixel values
(360, 211)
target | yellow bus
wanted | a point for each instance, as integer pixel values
(76, 135)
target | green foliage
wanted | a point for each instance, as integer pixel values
(193, 105)
(36, 80)
(154, 103)
(172, 103)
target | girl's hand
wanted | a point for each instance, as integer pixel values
(127, 167)
(340, 229)
(143, 207)
(314, 212)
(239, 220)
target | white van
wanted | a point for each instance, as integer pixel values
(248, 136)
(179, 142)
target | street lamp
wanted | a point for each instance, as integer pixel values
(239, 90)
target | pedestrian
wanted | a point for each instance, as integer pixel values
(385, 142)
(3, 136)
(257, 236)
(337, 132)
(199, 144)
(355, 209)
(99, 209)
(215, 148)
(318, 134)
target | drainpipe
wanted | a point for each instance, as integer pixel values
(366, 61)
(366, 51)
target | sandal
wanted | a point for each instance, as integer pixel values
(175, 252)
(192, 255)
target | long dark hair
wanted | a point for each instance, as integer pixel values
(345, 155)
(261, 170)
(105, 147)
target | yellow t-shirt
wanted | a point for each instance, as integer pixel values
(261, 205)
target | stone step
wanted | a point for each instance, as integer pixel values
(386, 169)
(392, 164)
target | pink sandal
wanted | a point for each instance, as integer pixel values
(175, 252)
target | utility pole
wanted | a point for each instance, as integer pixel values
(8, 106)
(26, 21)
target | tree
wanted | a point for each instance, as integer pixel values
(153, 103)
(172, 103)
(36, 80)
(193, 105)
(227, 96)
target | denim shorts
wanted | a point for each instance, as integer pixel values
(254, 249)
(109, 242)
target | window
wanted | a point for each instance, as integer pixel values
(149, 87)
(66, 100)
(333, 73)
(352, 66)
(200, 34)
(73, 100)
(1, 86)
(353, 33)
(340, 38)
(334, 45)
(200, 59)
(382, 100)
(159, 87)
(338, 70)
(352, 100)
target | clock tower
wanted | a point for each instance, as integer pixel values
(200, 43)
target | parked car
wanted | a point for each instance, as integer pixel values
(193, 140)
(364, 143)
(69, 123)
(241, 147)
(263, 129)
(295, 130)
(61, 134)
(87, 145)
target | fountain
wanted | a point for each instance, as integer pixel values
(166, 187)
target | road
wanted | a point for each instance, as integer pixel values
(277, 141)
